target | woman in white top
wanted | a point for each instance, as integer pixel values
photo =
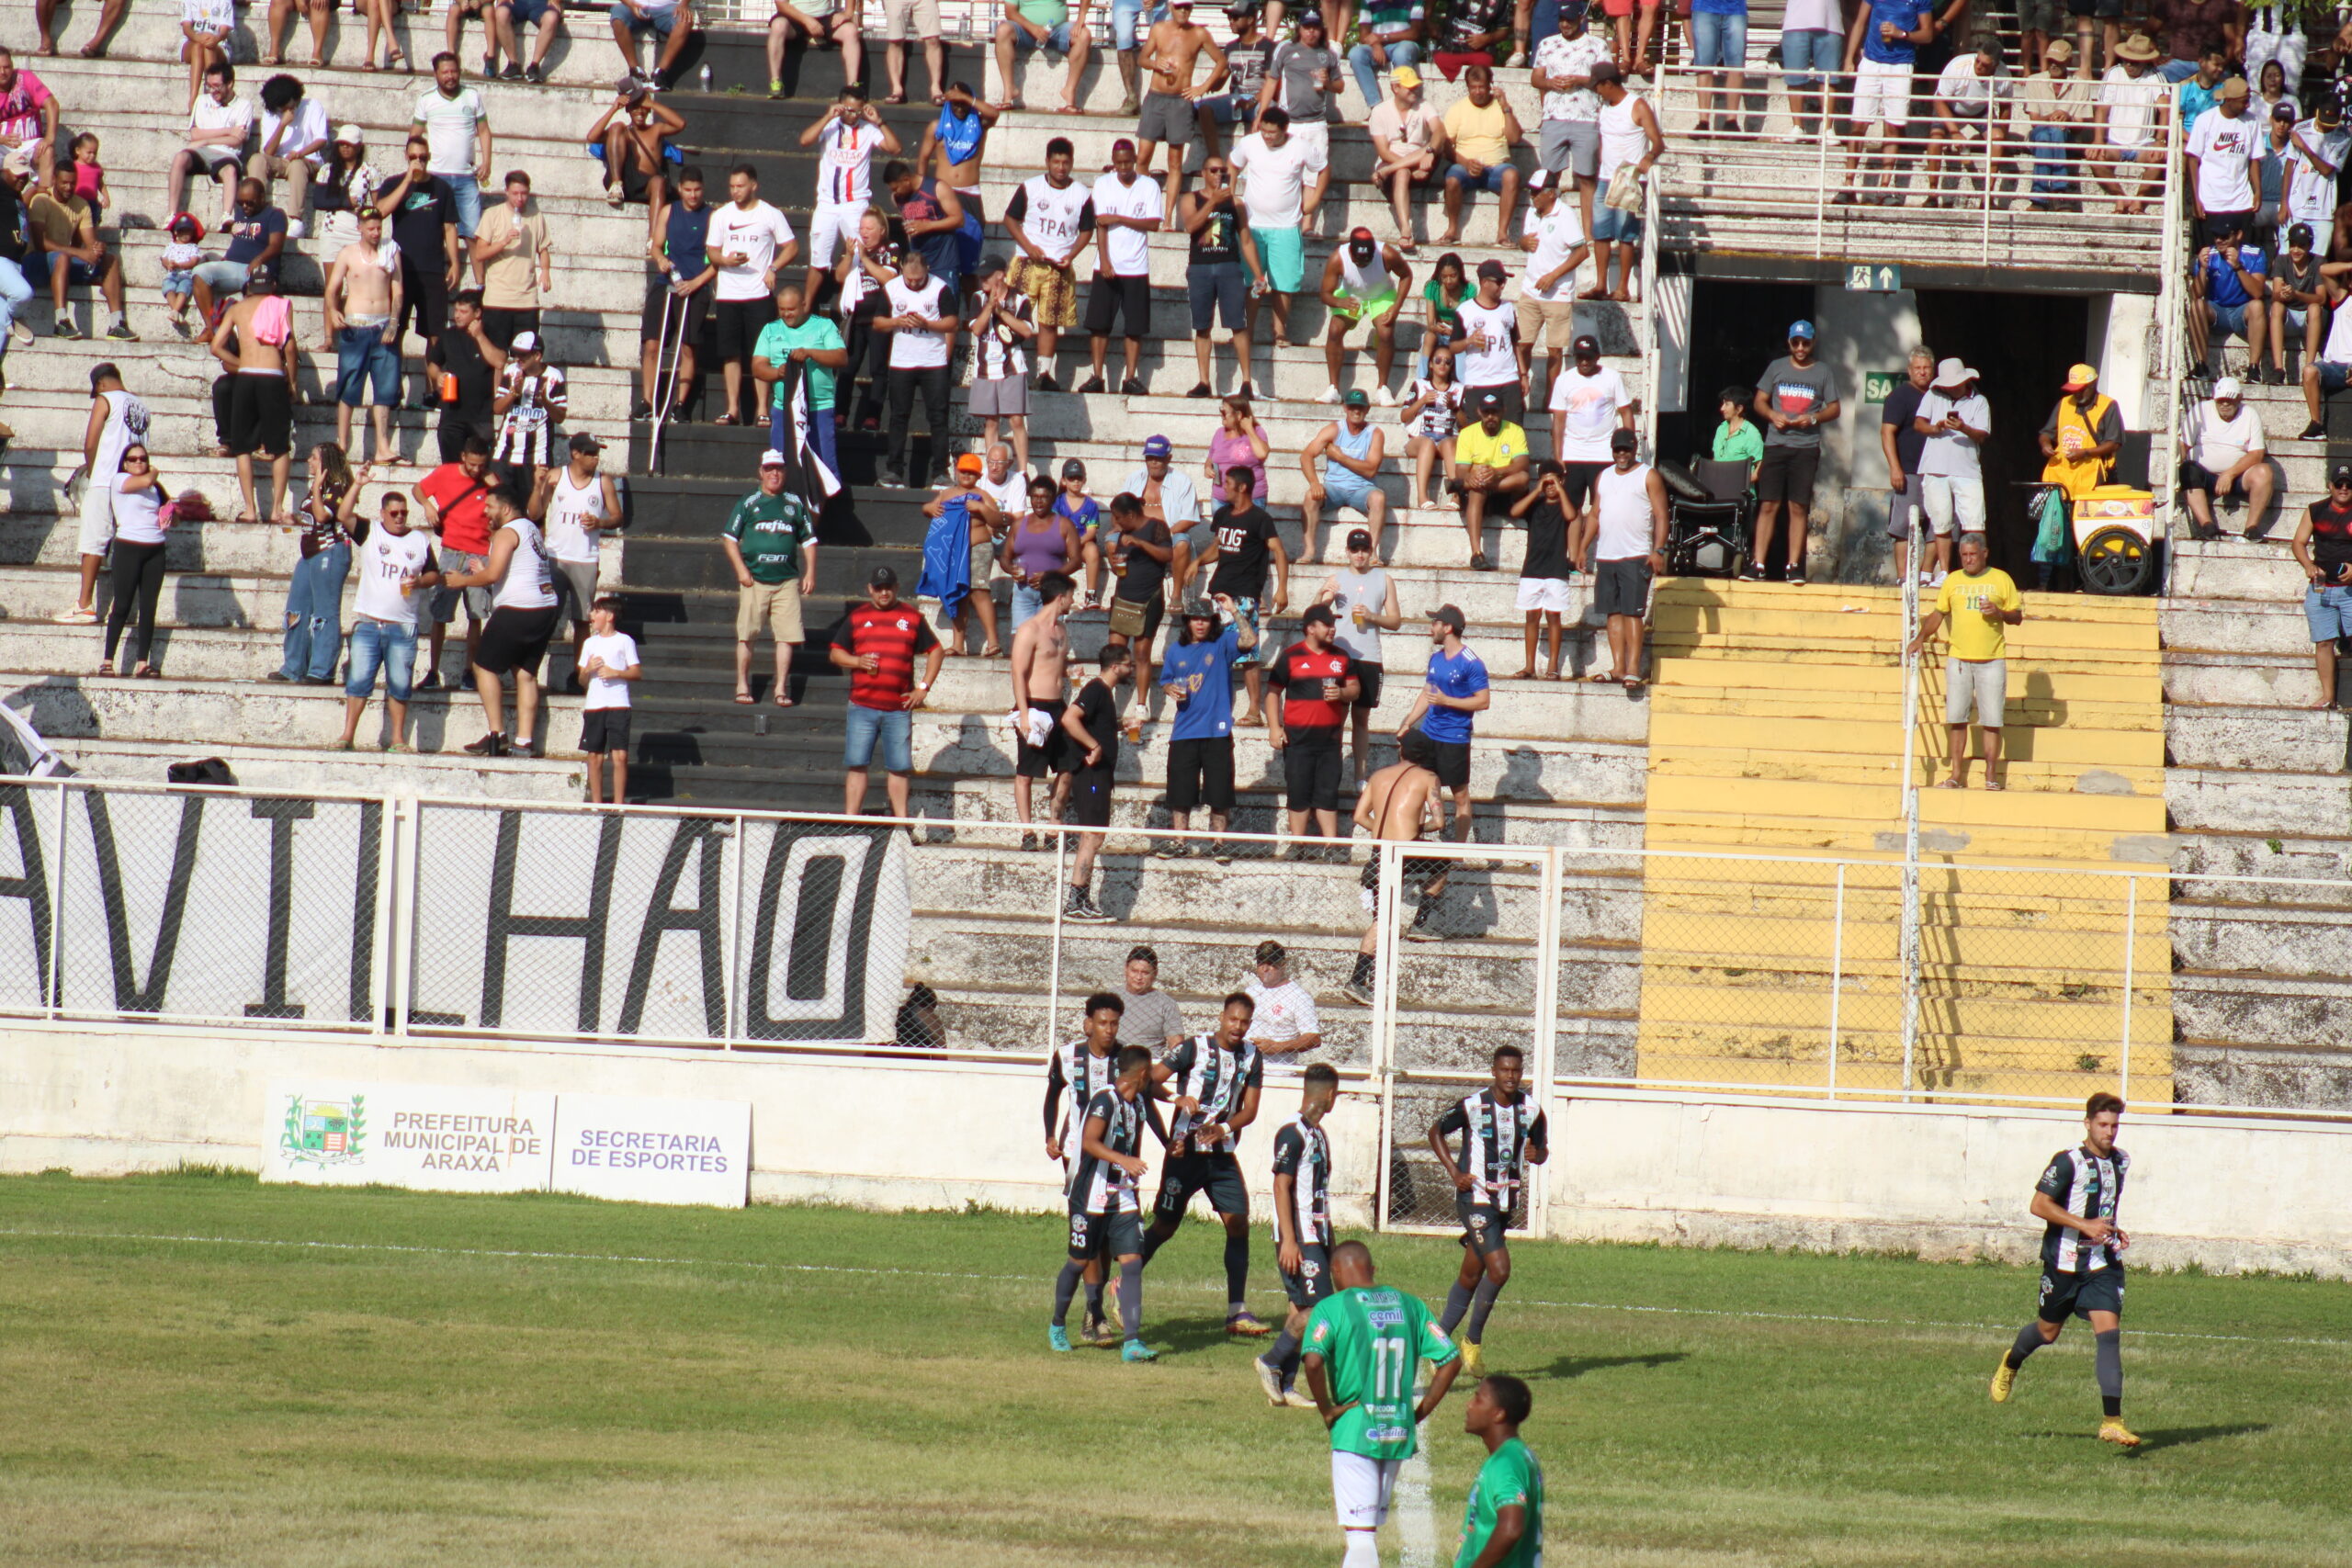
(137, 558)
(1432, 408)
(523, 617)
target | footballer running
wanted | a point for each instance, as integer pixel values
(1500, 1132)
(1104, 1218)
(1213, 1081)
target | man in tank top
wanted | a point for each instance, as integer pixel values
(522, 618)
(1629, 545)
(581, 505)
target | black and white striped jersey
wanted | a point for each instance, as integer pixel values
(1494, 1135)
(1077, 1069)
(1217, 1077)
(1303, 1154)
(1098, 1187)
(2089, 1188)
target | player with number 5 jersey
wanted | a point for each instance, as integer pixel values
(1364, 1345)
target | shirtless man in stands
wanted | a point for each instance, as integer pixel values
(954, 144)
(1398, 804)
(363, 297)
(1040, 692)
(261, 398)
(1171, 102)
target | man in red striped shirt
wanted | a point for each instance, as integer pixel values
(1312, 686)
(876, 643)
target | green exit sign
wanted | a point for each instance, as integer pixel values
(1879, 384)
(1863, 277)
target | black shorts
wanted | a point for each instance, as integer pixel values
(502, 326)
(2103, 9)
(261, 416)
(2065, 1296)
(2196, 475)
(1313, 1280)
(1201, 770)
(739, 321)
(1576, 479)
(1485, 1228)
(1621, 587)
(1449, 759)
(1368, 687)
(1311, 768)
(1786, 474)
(1118, 1234)
(1219, 1176)
(602, 730)
(1214, 290)
(517, 639)
(1514, 402)
(694, 312)
(1112, 297)
(1059, 754)
(1153, 609)
(1090, 797)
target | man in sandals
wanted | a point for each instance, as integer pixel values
(1977, 601)
(771, 543)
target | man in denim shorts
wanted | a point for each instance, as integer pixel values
(876, 642)
(2323, 546)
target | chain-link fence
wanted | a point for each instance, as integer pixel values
(1409, 965)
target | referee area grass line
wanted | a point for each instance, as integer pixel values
(1202, 1285)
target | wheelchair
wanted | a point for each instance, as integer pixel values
(1710, 518)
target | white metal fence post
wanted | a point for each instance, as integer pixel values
(1837, 972)
(1384, 1021)
(738, 984)
(53, 984)
(2131, 937)
(387, 942)
(1547, 1022)
(1054, 960)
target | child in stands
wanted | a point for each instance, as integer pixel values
(180, 257)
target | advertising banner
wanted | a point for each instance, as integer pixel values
(342, 1132)
(653, 1151)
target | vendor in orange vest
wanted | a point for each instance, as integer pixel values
(2080, 437)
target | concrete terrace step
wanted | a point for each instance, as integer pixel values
(2037, 733)
(2234, 568)
(2285, 869)
(2287, 739)
(1039, 78)
(2237, 626)
(450, 774)
(2244, 679)
(2291, 805)
(203, 714)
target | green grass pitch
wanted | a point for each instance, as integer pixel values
(405, 1377)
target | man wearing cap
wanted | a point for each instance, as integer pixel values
(362, 307)
(961, 543)
(1491, 355)
(1311, 686)
(1166, 493)
(1170, 100)
(2298, 303)
(1569, 140)
(1482, 130)
(1490, 466)
(1128, 208)
(1362, 597)
(1975, 602)
(1282, 182)
(2323, 547)
(1626, 549)
(2083, 435)
(771, 544)
(1246, 54)
(877, 642)
(1341, 464)
(799, 336)
(257, 234)
(2221, 146)
(2130, 133)
(1797, 396)
(2232, 284)
(1197, 675)
(1590, 404)
(2057, 104)
(1363, 281)
(1303, 81)
(1554, 243)
(1455, 689)
(2223, 452)
(531, 400)
(261, 389)
(1407, 140)
(573, 510)
(1631, 143)
(1955, 420)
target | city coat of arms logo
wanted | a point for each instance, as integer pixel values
(325, 1132)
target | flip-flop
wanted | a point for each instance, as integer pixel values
(785, 703)
(1995, 785)
(1947, 784)
(745, 698)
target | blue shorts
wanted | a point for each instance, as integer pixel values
(529, 13)
(1245, 613)
(1490, 182)
(1809, 54)
(1282, 254)
(362, 356)
(1231, 108)
(660, 25)
(1345, 488)
(466, 191)
(1216, 288)
(179, 285)
(1615, 223)
(383, 645)
(1057, 39)
(2328, 612)
(1126, 14)
(2229, 318)
(894, 731)
(1719, 39)
(77, 269)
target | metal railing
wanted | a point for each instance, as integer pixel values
(1776, 182)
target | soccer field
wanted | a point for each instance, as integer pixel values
(200, 1370)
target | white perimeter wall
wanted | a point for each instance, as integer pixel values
(897, 1134)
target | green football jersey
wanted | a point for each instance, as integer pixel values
(1510, 1475)
(1370, 1337)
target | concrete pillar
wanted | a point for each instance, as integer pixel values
(1858, 334)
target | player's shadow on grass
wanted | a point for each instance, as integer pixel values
(1578, 1366)
(2177, 1436)
(1184, 1333)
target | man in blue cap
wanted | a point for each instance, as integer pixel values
(1795, 398)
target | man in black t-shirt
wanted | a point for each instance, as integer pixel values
(1139, 548)
(1902, 444)
(463, 352)
(2323, 547)
(1545, 513)
(1092, 725)
(1243, 542)
(1316, 683)
(423, 215)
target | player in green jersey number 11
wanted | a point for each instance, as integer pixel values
(1502, 1525)
(1363, 1344)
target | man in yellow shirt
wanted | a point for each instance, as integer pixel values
(1482, 130)
(1976, 601)
(1490, 464)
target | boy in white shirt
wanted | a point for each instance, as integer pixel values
(608, 660)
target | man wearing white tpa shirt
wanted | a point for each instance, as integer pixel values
(1127, 208)
(750, 242)
(2222, 148)
(1956, 419)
